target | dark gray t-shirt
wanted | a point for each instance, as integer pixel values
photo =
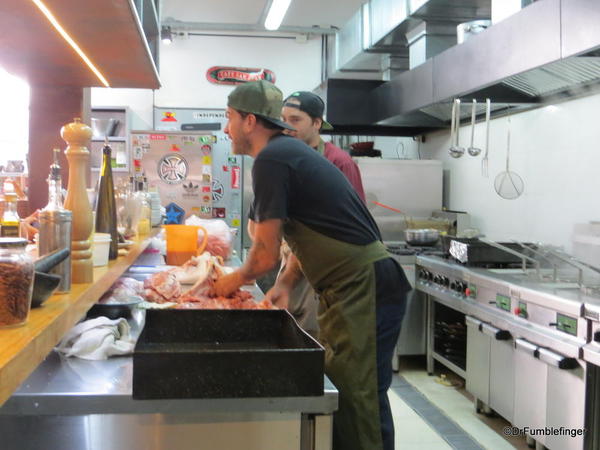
(292, 181)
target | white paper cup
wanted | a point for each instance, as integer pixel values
(101, 248)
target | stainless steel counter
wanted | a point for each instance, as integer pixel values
(88, 405)
(76, 386)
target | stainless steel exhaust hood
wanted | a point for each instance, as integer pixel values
(548, 51)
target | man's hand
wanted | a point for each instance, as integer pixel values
(228, 284)
(279, 295)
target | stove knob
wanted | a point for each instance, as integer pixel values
(597, 336)
(453, 286)
(445, 281)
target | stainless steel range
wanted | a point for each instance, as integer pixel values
(510, 320)
(413, 336)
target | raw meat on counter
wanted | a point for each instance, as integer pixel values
(122, 291)
(203, 271)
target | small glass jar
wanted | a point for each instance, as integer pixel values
(16, 282)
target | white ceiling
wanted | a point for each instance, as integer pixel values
(302, 13)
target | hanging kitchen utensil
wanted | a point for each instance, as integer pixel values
(456, 151)
(509, 185)
(484, 160)
(473, 151)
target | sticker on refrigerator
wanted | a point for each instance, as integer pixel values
(168, 116)
(235, 177)
(158, 137)
(191, 189)
(175, 148)
(172, 169)
(174, 213)
(206, 160)
(219, 213)
(207, 139)
(206, 149)
(217, 190)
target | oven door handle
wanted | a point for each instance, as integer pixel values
(470, 320)
(496, 333)
(526, 347)
(556, 359)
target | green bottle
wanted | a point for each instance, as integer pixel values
(106, 211)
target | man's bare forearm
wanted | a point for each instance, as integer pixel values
(292, 272)
(259, 262)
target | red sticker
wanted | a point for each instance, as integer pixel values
(205, 188)
(168, 117)
(219, 213)
(235, 177)
(225, 169)
(158, 137)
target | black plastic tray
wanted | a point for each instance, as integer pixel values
(225, 354)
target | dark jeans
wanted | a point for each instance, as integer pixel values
(392, 287)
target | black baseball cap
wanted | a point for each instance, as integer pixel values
(310, 103)
(260, 98)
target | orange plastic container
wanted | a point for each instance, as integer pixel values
(182, 243)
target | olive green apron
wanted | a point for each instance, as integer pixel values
(344, 277)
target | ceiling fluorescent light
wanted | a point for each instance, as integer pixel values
(70, 40)
(276, 13)
(166, 36)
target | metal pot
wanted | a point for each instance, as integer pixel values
(424, 236)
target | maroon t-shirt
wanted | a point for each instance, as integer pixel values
(344, 162)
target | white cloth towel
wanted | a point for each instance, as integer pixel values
(97, 338)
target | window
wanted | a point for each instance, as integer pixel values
(14, 119)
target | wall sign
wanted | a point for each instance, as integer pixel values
(238, 75)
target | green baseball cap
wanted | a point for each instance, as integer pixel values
(260, 98)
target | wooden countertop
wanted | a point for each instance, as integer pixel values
(23, 348)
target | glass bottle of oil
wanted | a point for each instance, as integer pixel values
(144, 223)
(10, 222)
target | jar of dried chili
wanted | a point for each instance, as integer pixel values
(16, 281)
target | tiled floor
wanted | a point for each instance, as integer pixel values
(429, 414)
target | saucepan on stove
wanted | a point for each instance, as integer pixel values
(421, 236)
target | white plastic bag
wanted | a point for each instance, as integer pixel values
(220, 238)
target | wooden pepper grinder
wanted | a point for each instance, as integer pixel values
(77, 135)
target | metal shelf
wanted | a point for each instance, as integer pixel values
(449, 364)
(111, 139)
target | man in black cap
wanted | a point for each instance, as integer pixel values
(304, 111)
(302, 197)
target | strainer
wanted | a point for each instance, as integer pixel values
(509, 185)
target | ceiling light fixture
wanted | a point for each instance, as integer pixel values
(166, 36)
(70, 40)
(276, 13)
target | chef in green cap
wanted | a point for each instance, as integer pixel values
(302, 197)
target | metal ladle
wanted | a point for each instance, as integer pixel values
(509, 185)
(484, 160)
(456, 151)
(473, 151)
